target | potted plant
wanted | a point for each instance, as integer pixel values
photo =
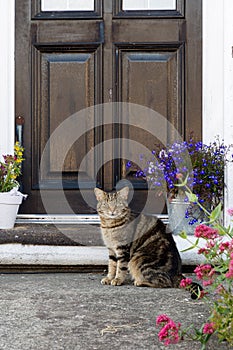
(10, 197)
(202, 165)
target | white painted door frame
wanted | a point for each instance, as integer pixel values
(217, 75)
(218, 78)
(7, 68)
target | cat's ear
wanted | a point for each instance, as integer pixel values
(124, 192)
(99, 194)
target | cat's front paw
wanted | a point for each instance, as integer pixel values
(106, 280)
(117, 282)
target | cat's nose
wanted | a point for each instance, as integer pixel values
(112, 210)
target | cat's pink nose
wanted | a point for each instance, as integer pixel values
(112, 210)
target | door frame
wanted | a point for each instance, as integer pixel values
(217, 88)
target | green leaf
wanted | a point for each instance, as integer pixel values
(183, 183)
(183, 235)
(191, 197)
(187, 249)
(221, 230)
(215, 214)
(191, 247)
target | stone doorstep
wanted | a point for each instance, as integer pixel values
(49, 255)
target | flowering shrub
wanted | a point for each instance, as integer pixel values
(216, 274)
(203, 166)
(10, 169)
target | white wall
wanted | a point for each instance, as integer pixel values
(6, 76)
(218, 77)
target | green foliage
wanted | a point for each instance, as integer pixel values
(10, 169)
(216, 274)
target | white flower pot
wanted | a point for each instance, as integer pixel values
(176, 212)
(9, 206)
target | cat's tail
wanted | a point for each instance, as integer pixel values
(194, 288)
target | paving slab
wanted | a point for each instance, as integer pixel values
(74, 311)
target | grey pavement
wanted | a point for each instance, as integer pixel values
(72, 311)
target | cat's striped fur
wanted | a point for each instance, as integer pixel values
(138, 244)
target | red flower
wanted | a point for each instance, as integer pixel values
(202, 294)
(162, 319)
(203, 251)
(208, 328)
(203, 270)
(208, 282)
(185, 282)
(229, 274)
(203, 231)
(169, 333)
(224, 246)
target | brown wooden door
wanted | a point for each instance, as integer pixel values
(70, 60)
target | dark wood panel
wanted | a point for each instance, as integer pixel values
(71, 88)
(153, 78)
(69, 32)
(147, 31)
(63, 84)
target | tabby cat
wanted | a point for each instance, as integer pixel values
(138, 244)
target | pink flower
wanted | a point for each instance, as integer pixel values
(185, 282)
(169, 333)
(203, 231)
(220, 289)
(203, 251)
(208, 282)
(229, 274)
(179, 176)
(162, 319)
(208, 328)
(202, 294)
(224, 246)
(202, 270)
(210, 244)
(230, 211)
